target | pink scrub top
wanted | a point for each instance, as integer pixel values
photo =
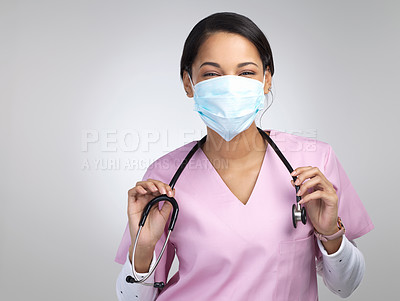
(231, 251)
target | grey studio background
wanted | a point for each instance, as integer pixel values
(91, 94)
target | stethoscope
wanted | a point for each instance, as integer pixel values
(298, 212)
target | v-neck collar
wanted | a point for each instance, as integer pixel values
(221, 182)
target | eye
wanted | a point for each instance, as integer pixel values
(210, 74)
(247, 73)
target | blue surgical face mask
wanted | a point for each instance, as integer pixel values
(228, 104)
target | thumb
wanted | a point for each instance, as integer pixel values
(166, 210)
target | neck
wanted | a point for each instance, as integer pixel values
(240, 149)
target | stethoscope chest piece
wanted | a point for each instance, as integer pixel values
(298, 211)
(298, 214)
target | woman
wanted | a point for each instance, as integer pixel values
(234, 237)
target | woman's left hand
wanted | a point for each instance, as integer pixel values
(319, 197)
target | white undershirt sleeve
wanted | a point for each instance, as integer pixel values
(343, 270)
(135, 291)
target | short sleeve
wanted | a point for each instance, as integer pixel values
(351, 210)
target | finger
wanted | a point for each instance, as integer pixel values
(327, 198)
(162, 187)
(166, 210)
(169, 190)
(141, 190)
(292, 182)
(298, 170)
(132, 193)
(306, 174)
(148, 185)
(316, 195)
(314, 182)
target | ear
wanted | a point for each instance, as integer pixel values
(187, 85)
(268, 79)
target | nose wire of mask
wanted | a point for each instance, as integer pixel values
(194, 91)
(228, 104)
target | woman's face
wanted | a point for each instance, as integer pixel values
(226, 54)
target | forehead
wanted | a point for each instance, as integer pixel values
(227, 47)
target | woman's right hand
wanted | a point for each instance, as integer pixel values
(138, 197)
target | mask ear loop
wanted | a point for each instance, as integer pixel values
(191, 83)
(272, 100)
(270, 91)
(269, 104)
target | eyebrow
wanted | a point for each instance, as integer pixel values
(219, 66)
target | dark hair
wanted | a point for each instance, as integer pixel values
(225, 22)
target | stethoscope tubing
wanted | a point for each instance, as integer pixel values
(298, 212)
(283, 159)
(135, 275)
(175, 211)
(171, 226)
